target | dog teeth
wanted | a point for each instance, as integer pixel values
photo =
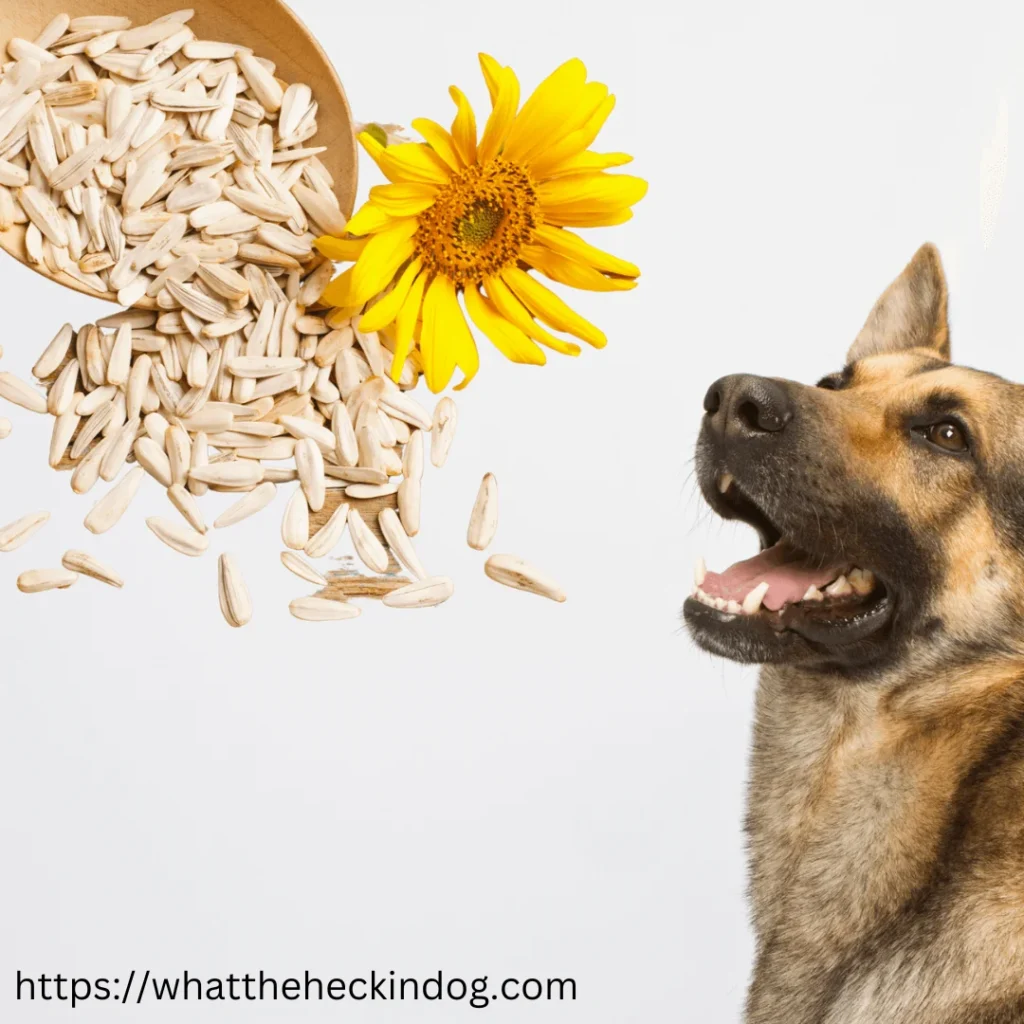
(839, 588)
(752, 602)
(862, 581)
(725, 482)
(813, 594)
(700, 570)
(734, 607)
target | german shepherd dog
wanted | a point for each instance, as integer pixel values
(885, 815)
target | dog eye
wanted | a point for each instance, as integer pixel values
(948, 436)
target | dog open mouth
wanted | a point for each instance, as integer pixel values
(784, 589)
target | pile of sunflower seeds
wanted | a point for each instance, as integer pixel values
(174, 173)
(147, 163)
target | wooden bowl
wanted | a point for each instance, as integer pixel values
(268, 27)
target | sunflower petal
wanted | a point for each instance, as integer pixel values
(547, 306)
(589, 161)
(411, 161)
(514, 311)
(508, 339)
(405, 325)
(368, 220)
(403, 200)
(437, 354)
(501, 118)
(590, 220)
(342, 249)
(543, 119)
(577, 275)
(384, 311)
(492, 74)
(460, 337)
(574, 143)
(566, 243)
(596, 192)
(439, 141)
(373, 271)
(336, 293)
(464, 126)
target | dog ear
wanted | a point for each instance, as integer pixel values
(911, 312)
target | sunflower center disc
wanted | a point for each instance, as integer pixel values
(479, 222)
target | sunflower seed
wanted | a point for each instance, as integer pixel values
(442, 431)
(64, 427)
(85, 565)
(512, 571)
(15, 534)
(54, 354)
(424, 593)
(117, 451)
(16, 391)
(302, 569)
(250, 504)
(235, 603)
(182, 539)
(322, 609)
(228, 474)
(295, 522)
(309, 462)
(409, 505)
(109, 509)
(263, 84)
(370, 550)
(483, 521)
(326, 539)
(152, 458)
(35, 581)
(398, 541)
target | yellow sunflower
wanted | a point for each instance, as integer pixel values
(472, 217)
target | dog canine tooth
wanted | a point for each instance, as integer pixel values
(862, 581)
(813, 594)
(839, 588)
(725, 482)
(752, 602)
(700, 570)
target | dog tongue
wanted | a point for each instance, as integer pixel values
(787, 576)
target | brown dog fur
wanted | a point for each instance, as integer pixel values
(886, 802)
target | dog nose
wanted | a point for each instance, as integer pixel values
(747, 405)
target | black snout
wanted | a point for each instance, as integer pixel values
(745, 405)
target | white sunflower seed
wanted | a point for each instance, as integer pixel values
(370, 550)
(512, 571)
(182, 539)
(293, 563)
(326, 539)
(184, 501)
(109, 509)
(442, 431)
(399, 542)
(424, 593)
(85, 565)
(35, 581)
(16, 391)
(483, 521)
(251, 503)
(295, 522)
(13, 535)
(235, 603)
(322, 609)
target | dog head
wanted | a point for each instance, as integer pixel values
(889, 498)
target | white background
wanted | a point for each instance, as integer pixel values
(502, 786)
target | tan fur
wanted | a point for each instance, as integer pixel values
(886, 815)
